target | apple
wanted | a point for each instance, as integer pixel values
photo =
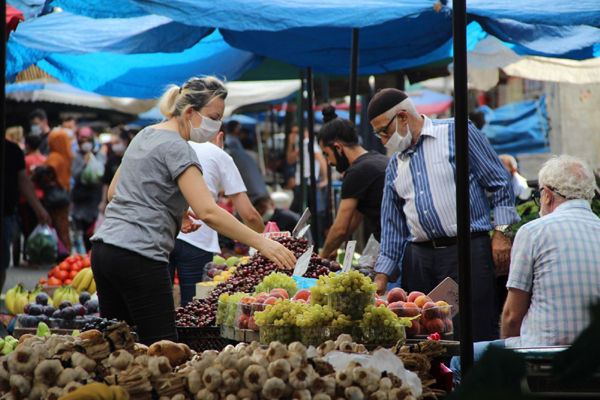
(218, 260)
(396, 294)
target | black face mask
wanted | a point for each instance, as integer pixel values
(341, 160)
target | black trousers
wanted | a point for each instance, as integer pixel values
(425, 268)
(135, 289)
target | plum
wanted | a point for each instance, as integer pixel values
(27, 307)
(48, 310)
(64, 304)
(213, 272)
(57, 314)
(92, 306)
(69, 313)
(210, 265)
(79, 309)
(84, 296)
(41, 299)
(35, 309)
(31, 321)
(222, 267)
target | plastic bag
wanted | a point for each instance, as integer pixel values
(366, 262)
(42, 246)
(271, 227)
(93, 171)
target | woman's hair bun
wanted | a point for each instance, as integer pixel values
(328, 113)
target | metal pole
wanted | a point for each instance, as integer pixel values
(354, 74)
(302, 182)
(330, 204)
(3, 124)
(459, 23)
(312, 190)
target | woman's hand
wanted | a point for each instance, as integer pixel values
(188, 225)
(277, 253)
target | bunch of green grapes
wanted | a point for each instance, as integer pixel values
(347, 292)
(231, 308)
(282, 313)
(278, 280)
(222, 308)
(380, 325)
(318, 315)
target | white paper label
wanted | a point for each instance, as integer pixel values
(446, 291)
(349, 256)
(303, 231)
(301, 222)
(302, 262)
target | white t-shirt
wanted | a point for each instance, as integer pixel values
(307, 163)
(220, 173)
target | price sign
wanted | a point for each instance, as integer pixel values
(349, 256)
(302, 262)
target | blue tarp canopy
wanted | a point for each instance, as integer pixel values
(143, 76)
(519, 127)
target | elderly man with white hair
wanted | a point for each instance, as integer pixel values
(554, 271)
(418, 217)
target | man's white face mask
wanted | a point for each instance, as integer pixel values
(399, 143)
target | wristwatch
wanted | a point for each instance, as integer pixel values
(506, 230)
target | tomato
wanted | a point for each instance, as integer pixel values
(73, 274)
(53, 272)
(79, 257)
(62, 275)
(68, 281)
(71, 259)
(54, 282)
(64, 266)
(77, 267)
(86, 263)
(43, 281)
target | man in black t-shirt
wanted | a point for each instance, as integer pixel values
(16, 181)
(362, 186)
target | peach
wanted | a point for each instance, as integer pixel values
(379, 302)
(413, 296)
(444, 308)
(252, 324)
(396, 308)
(271, 301)
(430, 310)
(421, 300)
(279, 290)
(435, 326)
(303, 294)
(277, 295)
(448, 326)
(411, 309)
(245, 304)
(414, 330)
(242, 321)
(261, 297)
(396, 294)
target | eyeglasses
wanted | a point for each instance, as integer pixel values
(381, 132)
(538, 193)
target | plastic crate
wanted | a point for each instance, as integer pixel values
(202, 338)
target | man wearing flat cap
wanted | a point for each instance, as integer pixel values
(418, 216)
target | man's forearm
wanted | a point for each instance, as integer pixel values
(335, 238)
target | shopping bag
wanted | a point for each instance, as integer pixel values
(42, 246)
(93, 171)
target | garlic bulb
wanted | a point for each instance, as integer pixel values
(255, 377)
(22, 360)
(303, 394)
(274, 388)
(343, 378)
(299, 348)
(330, 385)
(72, 386)
(301, 378)
(4, 370)
(83, 361)
(276, 351)
(20, 383)
(245, 393)
(228, 360)
(344, 337)
(68, 375)
(55, 393)
(378, 395)
(279, 369)
(400, 393)
(120, 360)
(193, 382)
(385, 384)
(212, 378)
(243, 363)
(317, 385)
(160, 367)
(321, 396)
(260, 359)
(295, 360)
(326, 348)
(231, 380)
(38, 391)
(48, 371)
(354, 393)
(206, 394)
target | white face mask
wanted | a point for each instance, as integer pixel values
(86, 147)
(36, 130)
(268, 215)
(69, 132)
(207, 130)
(119, 148)
(399, 143)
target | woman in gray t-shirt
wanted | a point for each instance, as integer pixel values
(159, 179)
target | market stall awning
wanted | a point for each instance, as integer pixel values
(13, 17)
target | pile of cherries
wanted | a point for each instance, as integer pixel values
(203, 312)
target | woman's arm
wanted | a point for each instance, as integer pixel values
(113, 185)
(194, 189)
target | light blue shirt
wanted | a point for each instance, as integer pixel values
(419, 196)
(557, 259)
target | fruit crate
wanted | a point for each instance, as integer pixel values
(352, 304)
(316, 335)
(285, 334)
(202, 338)
(379, 335)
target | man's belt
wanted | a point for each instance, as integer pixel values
(440, 243)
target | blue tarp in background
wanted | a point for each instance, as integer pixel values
(518, 128)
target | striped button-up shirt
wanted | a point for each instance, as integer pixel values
(557, 259)
(419, 196)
